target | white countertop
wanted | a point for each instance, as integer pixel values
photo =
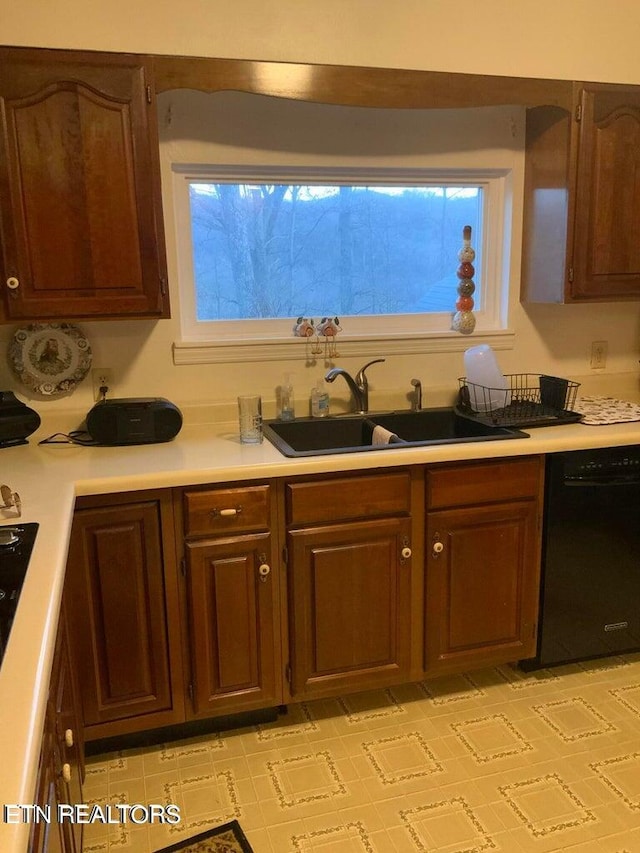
(49, 477)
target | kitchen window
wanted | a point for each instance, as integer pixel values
(241, 285)
(379, 250)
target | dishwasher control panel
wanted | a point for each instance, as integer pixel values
(606, 462)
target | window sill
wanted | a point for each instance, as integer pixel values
(282, 349)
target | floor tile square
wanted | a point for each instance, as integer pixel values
(305, 778)
(399, 758)
(622, 774)
(491, 738)
(448, 826)
(546, 804)
(574, 719)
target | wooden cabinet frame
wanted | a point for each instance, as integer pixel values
(282, 551)
(356, 85)
(549, 267)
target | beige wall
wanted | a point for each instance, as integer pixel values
(572, 38)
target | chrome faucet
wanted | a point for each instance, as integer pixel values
(359, 386)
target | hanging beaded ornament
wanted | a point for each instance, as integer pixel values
(464, 320)
(304, 328)
(328, 328)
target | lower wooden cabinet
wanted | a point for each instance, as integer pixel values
(61, 770)
(349, 600)
(349, 579)
(482, 565)
(231, 598)
(212, 600)
(232, 595)
(124, 618)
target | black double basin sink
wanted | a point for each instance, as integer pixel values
(354, 433)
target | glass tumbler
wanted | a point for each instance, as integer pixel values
(250, 418)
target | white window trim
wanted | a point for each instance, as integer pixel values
(272, 340)
(293, 349)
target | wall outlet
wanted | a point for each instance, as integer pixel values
(599, 355)
(102, 377)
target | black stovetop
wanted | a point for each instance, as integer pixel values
(16, 544)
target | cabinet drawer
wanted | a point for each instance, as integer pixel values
(346, 498)
(462, 485)
(226, 510)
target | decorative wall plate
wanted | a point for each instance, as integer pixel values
(50, 358)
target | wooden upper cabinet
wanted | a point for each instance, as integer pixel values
(606, 253)
(80, 201)
(581, 198)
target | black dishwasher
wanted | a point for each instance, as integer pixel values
(590, 593)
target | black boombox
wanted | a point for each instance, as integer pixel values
(143, 420)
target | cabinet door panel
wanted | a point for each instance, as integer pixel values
(117, 613)
(67, 127)
(606, 247)
(79, 187)
(355, 597)
(482, 587)
(483, 590)
(233, 626)
(349, 606)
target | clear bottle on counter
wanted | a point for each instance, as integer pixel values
(286, 406)
(319, 400)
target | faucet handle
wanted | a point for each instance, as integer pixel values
(360, 377)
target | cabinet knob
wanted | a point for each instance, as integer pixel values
(227, 512)
(66, 772)
(263, 570)
(438, 548)
(68, 738)
(406, 553)
(13, 283)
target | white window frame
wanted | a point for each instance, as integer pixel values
(272, 339)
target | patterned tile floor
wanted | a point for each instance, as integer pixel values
(495, 760)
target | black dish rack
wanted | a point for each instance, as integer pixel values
(529, 400)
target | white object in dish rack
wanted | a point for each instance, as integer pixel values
(488, 387)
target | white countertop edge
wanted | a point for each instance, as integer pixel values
(26, 668)
(273, 464)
